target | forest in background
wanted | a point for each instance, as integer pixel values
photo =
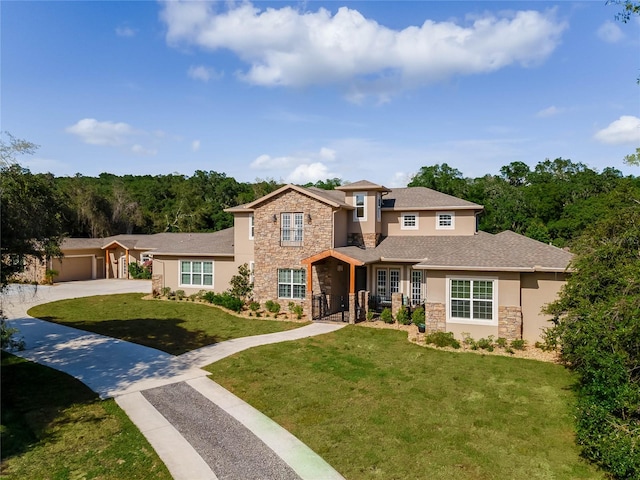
(553, 202)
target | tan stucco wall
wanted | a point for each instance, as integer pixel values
(243, 245)
(340, 221)
(169, 267)
(370, 225)
(464, 223)
(508, 295)
(538, 289)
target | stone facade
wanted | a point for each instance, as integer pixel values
(364, 240)
(157, 282)
(270, 255)
(435, 317)
(510, 322)
(397, 302)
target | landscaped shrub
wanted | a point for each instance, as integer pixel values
(370, 314)
(180, 294)
(502, 342)
(485, 344)
(417, 316)
(254, 306)
(296, 309)
(140, 271)
(166, 291)
(241, 285)
(272, 307)
(386, 316)
(518, 344)
(403, 317)
(225, 300)
(442, 339)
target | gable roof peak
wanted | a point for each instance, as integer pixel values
(363, 185)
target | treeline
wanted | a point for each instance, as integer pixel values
(553, 202)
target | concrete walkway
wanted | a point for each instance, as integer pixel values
(196, 426)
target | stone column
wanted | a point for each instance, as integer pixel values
(397, 302)
(157, 281)
(510, 322)
(352, 308)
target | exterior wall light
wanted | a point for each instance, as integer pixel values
(274, 219)
(308, 218)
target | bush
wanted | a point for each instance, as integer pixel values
(370, 314)
(518, 344)
(225, 300)
(417, 316)
(485, 344)
(254, 306)
(241, 285)
(272, 307)
(502, 342)
(139, 271)
(180, 294)
(386, 316)
(166, 291)
(403, 317)
(442, 339)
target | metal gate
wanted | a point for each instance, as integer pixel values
(334, 308)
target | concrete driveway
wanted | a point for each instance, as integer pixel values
(196, 426)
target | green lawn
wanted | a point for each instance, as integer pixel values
(174, 327)
(54, 427)
(377, 407)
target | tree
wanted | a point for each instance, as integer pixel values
(327, 184)
(30, 223)
(442, 178)
(633, 158)
(241, 285)
(597, 325)
(629, 9)
(516, 173)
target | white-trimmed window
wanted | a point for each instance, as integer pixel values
(196, 273)
(144, 257)
(292, 229)
(251, 227)
(409, 221)
(379, 207)
(360, 202)
(472, 300)
(417, 287)
(252, 268)
(292, 283)
(445, 221)
(387, 283)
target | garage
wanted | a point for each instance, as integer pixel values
(73, 268)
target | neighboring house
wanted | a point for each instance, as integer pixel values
(357, 247)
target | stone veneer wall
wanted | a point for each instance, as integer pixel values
(270, 256)
(435, 317)
(364, 240)
(510, 322)
(157, 282)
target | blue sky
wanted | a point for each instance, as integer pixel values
(301, 91)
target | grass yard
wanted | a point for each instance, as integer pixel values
(54, 427)
(173, 327)
(377, 407)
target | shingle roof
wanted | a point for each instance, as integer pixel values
(214, 243)
(422, 198)
(363, 185)
(506, 251)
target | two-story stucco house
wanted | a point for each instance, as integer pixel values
(324, 249)
(359, 246)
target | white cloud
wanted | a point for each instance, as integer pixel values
(400, 179)
(610, 32)
(289, 47)
(110, 134)
(309, 173)
(195, 145)
(140, 150)
(549, 112)
(125, 31)
(624, 130)
(200, 72)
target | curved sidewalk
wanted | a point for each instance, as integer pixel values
(209, 420)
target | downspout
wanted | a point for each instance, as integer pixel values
(126, 261)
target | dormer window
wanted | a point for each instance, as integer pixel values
(445, 221)
(360, 202)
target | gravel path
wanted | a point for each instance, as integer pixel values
(232, 451)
